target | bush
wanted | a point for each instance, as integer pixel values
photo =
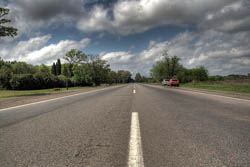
(5, 76)
(37, 81)
(47, 80)
(23, 82)
(62, 79)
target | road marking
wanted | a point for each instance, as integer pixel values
(4, 109)
(135, 158)
(134, 91)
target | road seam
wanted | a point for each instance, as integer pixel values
(135, 158)
(9, 108)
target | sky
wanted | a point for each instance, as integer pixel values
(132, 34)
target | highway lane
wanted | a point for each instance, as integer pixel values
(22, 112)
(170, 128)
(86, 130)
(181, 128)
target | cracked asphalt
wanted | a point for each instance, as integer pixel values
(178, 128)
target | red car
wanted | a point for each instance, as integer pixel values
(173, 82)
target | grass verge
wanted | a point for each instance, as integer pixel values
(16, 93)
(222, 86)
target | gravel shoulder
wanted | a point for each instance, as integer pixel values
(21, 100)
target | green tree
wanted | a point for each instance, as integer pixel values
(43, 68)
(200, 74)
(22, 68)
(75, 57)
(174, 66)
(53, 69)
(6, 30)
(157, 71)
(98, 69)
(58, 67)
(82, 76)
(167, 68)
(5, 76)
(112, 77)
(65, 70)
(2, 63)
(144, 79)
(123, 76)
(138, 77)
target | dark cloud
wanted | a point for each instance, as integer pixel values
(105, 3)
(48, 9)
(231, 19)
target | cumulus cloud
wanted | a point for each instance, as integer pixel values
(120, 60)
(96, 20)
(117, 57)
(35, 50)
(231, 18)
(219, 53)
(221, 43)
(135, 16)
(140, 62)
(126, 17)
(220, 40)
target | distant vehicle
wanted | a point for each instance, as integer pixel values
(165, 82)
(173, 82)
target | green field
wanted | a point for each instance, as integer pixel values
(237, 87)
(16, 93)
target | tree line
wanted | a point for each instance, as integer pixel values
(170, 67)
(79, 69)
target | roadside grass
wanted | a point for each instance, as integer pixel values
(239, 87)
(16, 93)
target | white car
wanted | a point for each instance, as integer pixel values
(164, 82)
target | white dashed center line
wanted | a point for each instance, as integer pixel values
(134, 91)
(135, 158)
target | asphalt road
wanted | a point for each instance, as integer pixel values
(130, 125)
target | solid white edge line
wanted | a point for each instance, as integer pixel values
(191, 91)
(9, 108)
(135, 157)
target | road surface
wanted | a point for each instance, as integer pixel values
(131, 125)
